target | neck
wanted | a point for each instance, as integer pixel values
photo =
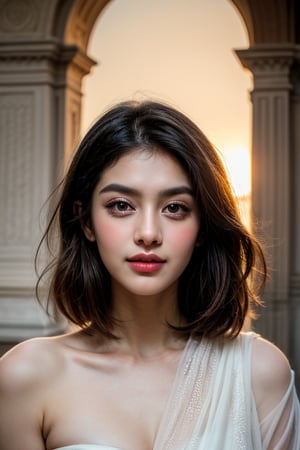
(143, 323)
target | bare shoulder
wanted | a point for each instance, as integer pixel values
(31, 361)
(271, 375)
(26, 372)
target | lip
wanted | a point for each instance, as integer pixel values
(145, 257)
(146, 263)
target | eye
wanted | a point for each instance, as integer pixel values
(119, 208)
(176, 210)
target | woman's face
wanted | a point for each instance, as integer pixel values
(145, 222)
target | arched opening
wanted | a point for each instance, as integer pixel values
(186, 61)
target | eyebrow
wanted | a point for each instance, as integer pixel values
(176, 190)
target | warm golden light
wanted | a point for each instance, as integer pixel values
(195, 71)
(238, 165)
(237, 162)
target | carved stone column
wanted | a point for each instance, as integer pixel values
(271, 184)
(295, 218)
(40, 103)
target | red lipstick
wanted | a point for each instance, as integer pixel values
(146, 263)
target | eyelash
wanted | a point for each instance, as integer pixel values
(183, 210)
(112, 207)
(114, 211)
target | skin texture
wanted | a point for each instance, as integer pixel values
(147, 221)
(80, 388)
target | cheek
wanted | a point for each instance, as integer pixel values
(109, 233)
(105, 230)
(184, 240)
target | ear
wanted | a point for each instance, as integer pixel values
(85, 226)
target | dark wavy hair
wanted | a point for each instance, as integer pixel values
(222, 279)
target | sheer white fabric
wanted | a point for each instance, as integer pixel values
(284, 421)
(87, 447)
(211, 404)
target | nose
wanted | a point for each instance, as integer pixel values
(148, 229)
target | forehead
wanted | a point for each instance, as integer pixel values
(146, 166)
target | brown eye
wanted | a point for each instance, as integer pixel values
(119, 208)
(174, 208)
(122, 206)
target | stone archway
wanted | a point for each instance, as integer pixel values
(43, 60)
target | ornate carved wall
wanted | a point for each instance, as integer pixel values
(40, 105)
(42, 62)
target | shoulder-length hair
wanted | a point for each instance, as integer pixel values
(214, 295)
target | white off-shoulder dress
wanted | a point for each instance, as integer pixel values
(211, 404)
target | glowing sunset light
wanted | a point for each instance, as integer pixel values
(237, 162)
(238, 165)
(195, 70)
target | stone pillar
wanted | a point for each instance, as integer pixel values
(272, 198)
(295, 218)
(40, 99)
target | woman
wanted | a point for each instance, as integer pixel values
(153, 268)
